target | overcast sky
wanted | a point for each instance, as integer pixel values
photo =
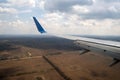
(84, 17)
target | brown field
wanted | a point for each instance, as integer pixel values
(52, 59)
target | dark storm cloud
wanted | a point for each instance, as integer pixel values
(64, 5)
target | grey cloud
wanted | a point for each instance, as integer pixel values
(94, 12)
(101, 15)
(64, 5)
(108, 1)
(3, 1)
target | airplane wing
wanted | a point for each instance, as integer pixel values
(110, 48)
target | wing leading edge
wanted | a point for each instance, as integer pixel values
(105, 47)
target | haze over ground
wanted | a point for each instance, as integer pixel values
(51, 58)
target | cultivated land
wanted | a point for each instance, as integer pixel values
(51, 58)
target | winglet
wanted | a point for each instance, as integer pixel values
(39, 27)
